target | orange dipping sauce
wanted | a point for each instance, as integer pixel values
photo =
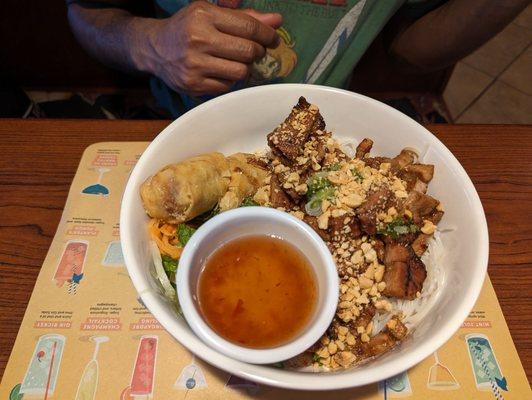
(257, 291)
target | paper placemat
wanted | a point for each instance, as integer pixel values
(86, 336)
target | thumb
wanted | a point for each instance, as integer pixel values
(274, 20)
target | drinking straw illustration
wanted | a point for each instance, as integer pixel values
(440, 377)
(98, 188)
(54, 346)
(89, 379)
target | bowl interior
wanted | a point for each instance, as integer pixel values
(240, 121)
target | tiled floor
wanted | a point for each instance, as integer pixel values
(494, 84)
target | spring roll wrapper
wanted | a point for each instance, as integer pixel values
(246, 178)
(182, 191)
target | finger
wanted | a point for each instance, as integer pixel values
(275, 20)
(212, 86)
(237, 23)
(234, 48)
(228, 70)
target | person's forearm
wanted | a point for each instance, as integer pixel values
(452, 31)
(113, 36)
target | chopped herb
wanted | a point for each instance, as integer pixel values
(334, 167)
(358, 176)
(249, 202)
(318, 183)
(184, 232)
(399, 226)
(317, 359)
(170, 268)
(169, 265)
(319, 189)
(278, 365)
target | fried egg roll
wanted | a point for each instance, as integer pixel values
(179, 192)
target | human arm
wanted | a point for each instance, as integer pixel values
(202, 49)
(452, 31)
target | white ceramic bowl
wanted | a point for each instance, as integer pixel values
(247, 221)
(239, 121)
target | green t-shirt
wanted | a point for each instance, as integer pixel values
(321, 41)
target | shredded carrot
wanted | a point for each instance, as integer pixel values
(163, 235)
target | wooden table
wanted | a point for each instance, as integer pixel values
(38, 159)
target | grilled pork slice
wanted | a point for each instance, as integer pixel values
(337, 225)
(417, 176)
(365, 317)
(288, 139)
(363, 148)
(404, 158)
(393, 333)
(405, 272)
(313, 222)
(421, 205)
(420, 245)
(376, 203)
(278, 197)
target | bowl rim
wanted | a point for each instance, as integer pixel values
(291, 379)
(323, 315)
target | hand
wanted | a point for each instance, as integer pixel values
(205, 49)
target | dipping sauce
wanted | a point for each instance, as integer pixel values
(257, 291)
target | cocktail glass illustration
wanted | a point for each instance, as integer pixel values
(41, 376)
(89, 380)
(97, 188)
(141, 386)
(486, 370)
(441, 377)
(70, 267)
(396, 386)
(191, 377)
(113, 255)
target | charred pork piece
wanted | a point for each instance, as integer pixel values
(405, 272)
(363, 148)
(420, 245)
(313, 222)
(316, 146)
(393, 333)
(375, 162)
(288, 139)
(376, 203)
(337, 225)
(420, 204)
(364, 318)
(435, 216)
(417, 275)
(379, 249)
(278, 197)
(417, 176)
(404, 158)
